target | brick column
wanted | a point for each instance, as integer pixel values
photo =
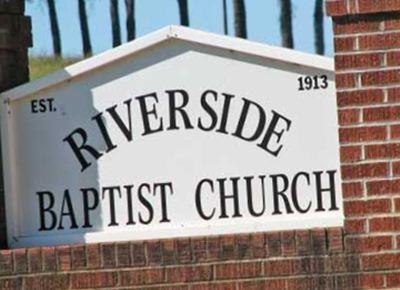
(15, 38)
(367, 63)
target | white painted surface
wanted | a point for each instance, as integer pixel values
(37, 159)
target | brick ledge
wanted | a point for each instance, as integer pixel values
(336, 8)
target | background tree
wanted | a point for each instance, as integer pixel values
(55, 30)
(319, 27)
(86, 44)
(130, 19)
(183, 12)
(115, 27)
(286, 23)
(225, 15)
(239, 11)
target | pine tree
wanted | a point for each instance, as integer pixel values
(183, 12)
(286, 23)
(319, 27)
(86, 44)
(115, 27)
(225, 15)
(55, 30)
(130, 19)
(240, 18)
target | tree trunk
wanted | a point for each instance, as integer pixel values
(130, 19)
(183, 12)
(55, 30)
(116, 29)
(239, 10)
(319, 27)
(286, 23)
(87, 46)
(225, 13)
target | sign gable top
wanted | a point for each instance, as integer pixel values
(109, 57)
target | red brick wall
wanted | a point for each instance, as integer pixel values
(287, 260)
(365, 254)
(15, 38)
(367, 60)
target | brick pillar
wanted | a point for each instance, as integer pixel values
(15, 38)
(367, 63)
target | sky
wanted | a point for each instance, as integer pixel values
(151, 15)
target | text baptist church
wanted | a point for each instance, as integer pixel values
(227, 197)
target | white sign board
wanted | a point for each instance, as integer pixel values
(180, 133)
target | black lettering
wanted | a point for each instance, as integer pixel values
(126, 130)
(146, 112)
(43, 209)
(146, 203)
(173, 109)
(242, 119)
(111, 190)
(42, 105)
(89, 207)
(250, 202)
(103, 130)
(163, 190)
(280, 193)
(294, 192)
(271, 131)
(51, 107)
(209, 110)
(198, 199)
(77, 149)
(34, 109)
(225, 112)
(331, 189)
(224, 197)
(67, 210)
(129, 204)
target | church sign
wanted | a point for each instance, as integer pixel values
(180, 133)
